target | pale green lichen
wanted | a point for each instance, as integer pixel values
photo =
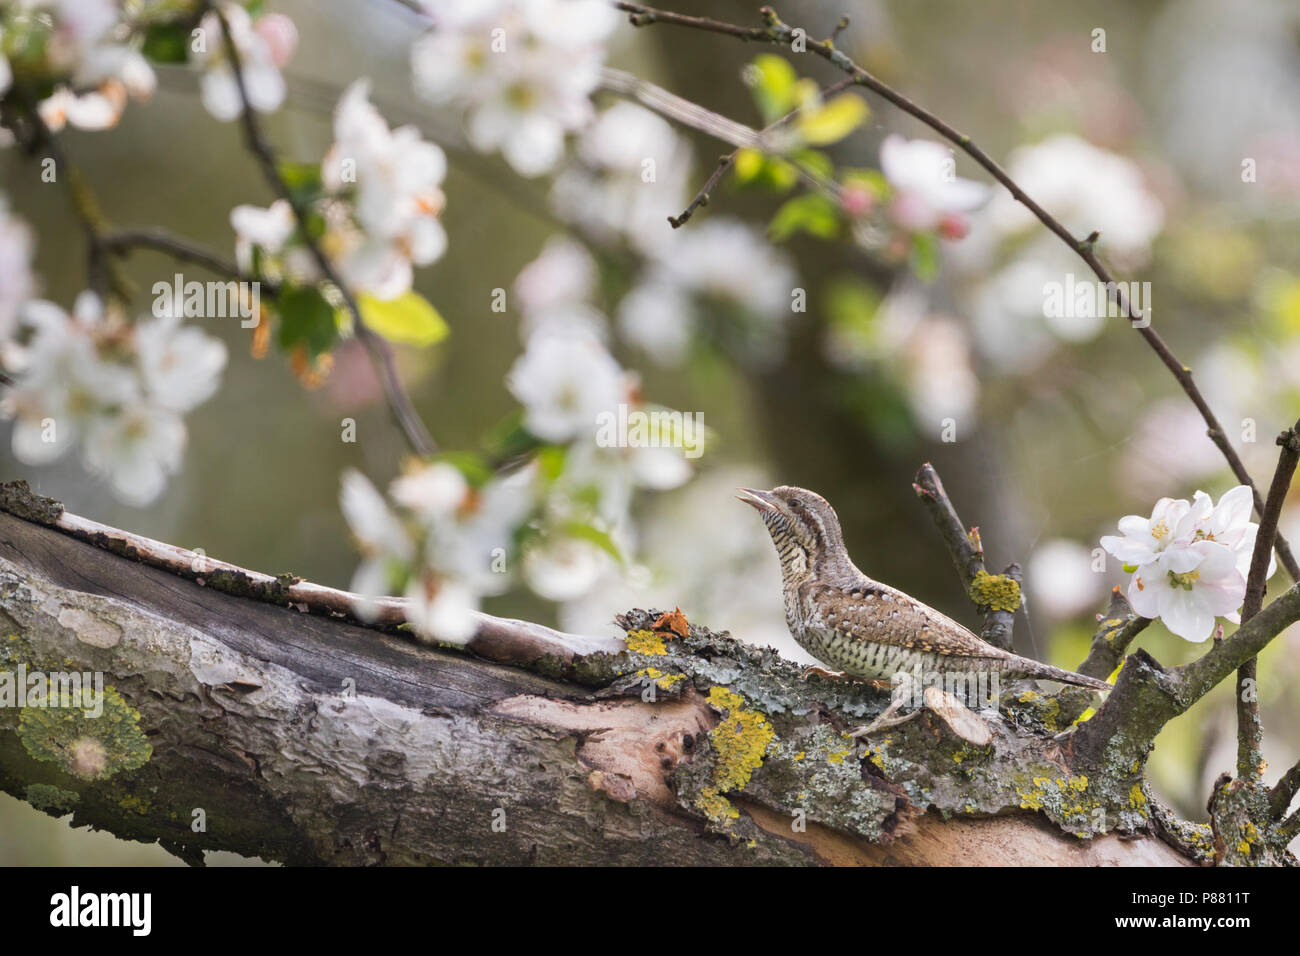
(50, 798)
(995, 591)
(89, 747)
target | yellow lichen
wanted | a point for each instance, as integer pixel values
(995, 591)
(1136, 798)
(837, 756)
(739, 743)
(645, 642)
(662, 681)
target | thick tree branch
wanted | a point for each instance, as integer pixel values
(303, 737)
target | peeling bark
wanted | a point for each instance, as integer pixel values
(306, 738)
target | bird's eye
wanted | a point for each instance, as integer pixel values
(796, 504)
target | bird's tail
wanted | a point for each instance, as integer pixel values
(1048, 672)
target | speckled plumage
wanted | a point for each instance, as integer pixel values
(862, 627)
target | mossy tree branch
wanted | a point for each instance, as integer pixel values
(303, 737)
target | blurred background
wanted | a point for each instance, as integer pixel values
(1060, 427)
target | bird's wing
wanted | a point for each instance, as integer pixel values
(875, 612)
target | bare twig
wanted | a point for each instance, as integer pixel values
(1115, 633)
(1250, 733)
(966, 550)
(702, 197)
(696, 117)
(774, 31)
(381, 353)
(123, 241)
(1280, 797)
(726, 162)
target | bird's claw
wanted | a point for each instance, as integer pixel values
(815, 671)
(889, 718)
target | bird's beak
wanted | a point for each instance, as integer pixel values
(761, 500)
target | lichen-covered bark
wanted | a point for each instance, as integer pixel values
(308, 739)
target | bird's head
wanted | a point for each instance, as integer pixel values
(804, 529)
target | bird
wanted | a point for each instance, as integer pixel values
(861, 627)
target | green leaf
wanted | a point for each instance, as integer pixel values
(602, 540)
(852, 303)
(753, 168)
(303, 179)
(550, 461)
(306, 319)
(816, 161)
(811, 213)
(775, 85)
(821, 126)
(509, 438)
(748, 164)
(925, 256)
(166, 43)
(410, 319)
(476, 471)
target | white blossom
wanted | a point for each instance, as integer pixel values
(398, 197)
(267, 229)
(1086, 188)
(926, 190)
(263, 49)
(564, 382)
(563, 568)
(521, 71)
(102, 69)
(119, 388)
(633, 172)
(16, 282)
(1189, 560)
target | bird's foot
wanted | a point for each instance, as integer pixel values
(889, 718)
(815, 671)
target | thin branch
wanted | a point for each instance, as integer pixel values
(1119, 626)
(1280, 797)
(696, 117)
(496, 638)
(1289, 828)
(726, 162)
(1250, 733)
(1202, 674)
(122, 242)
(37, 138)
(381, 353)
(681, 110)
(966, 550)
(774, 31)
(702, 197)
